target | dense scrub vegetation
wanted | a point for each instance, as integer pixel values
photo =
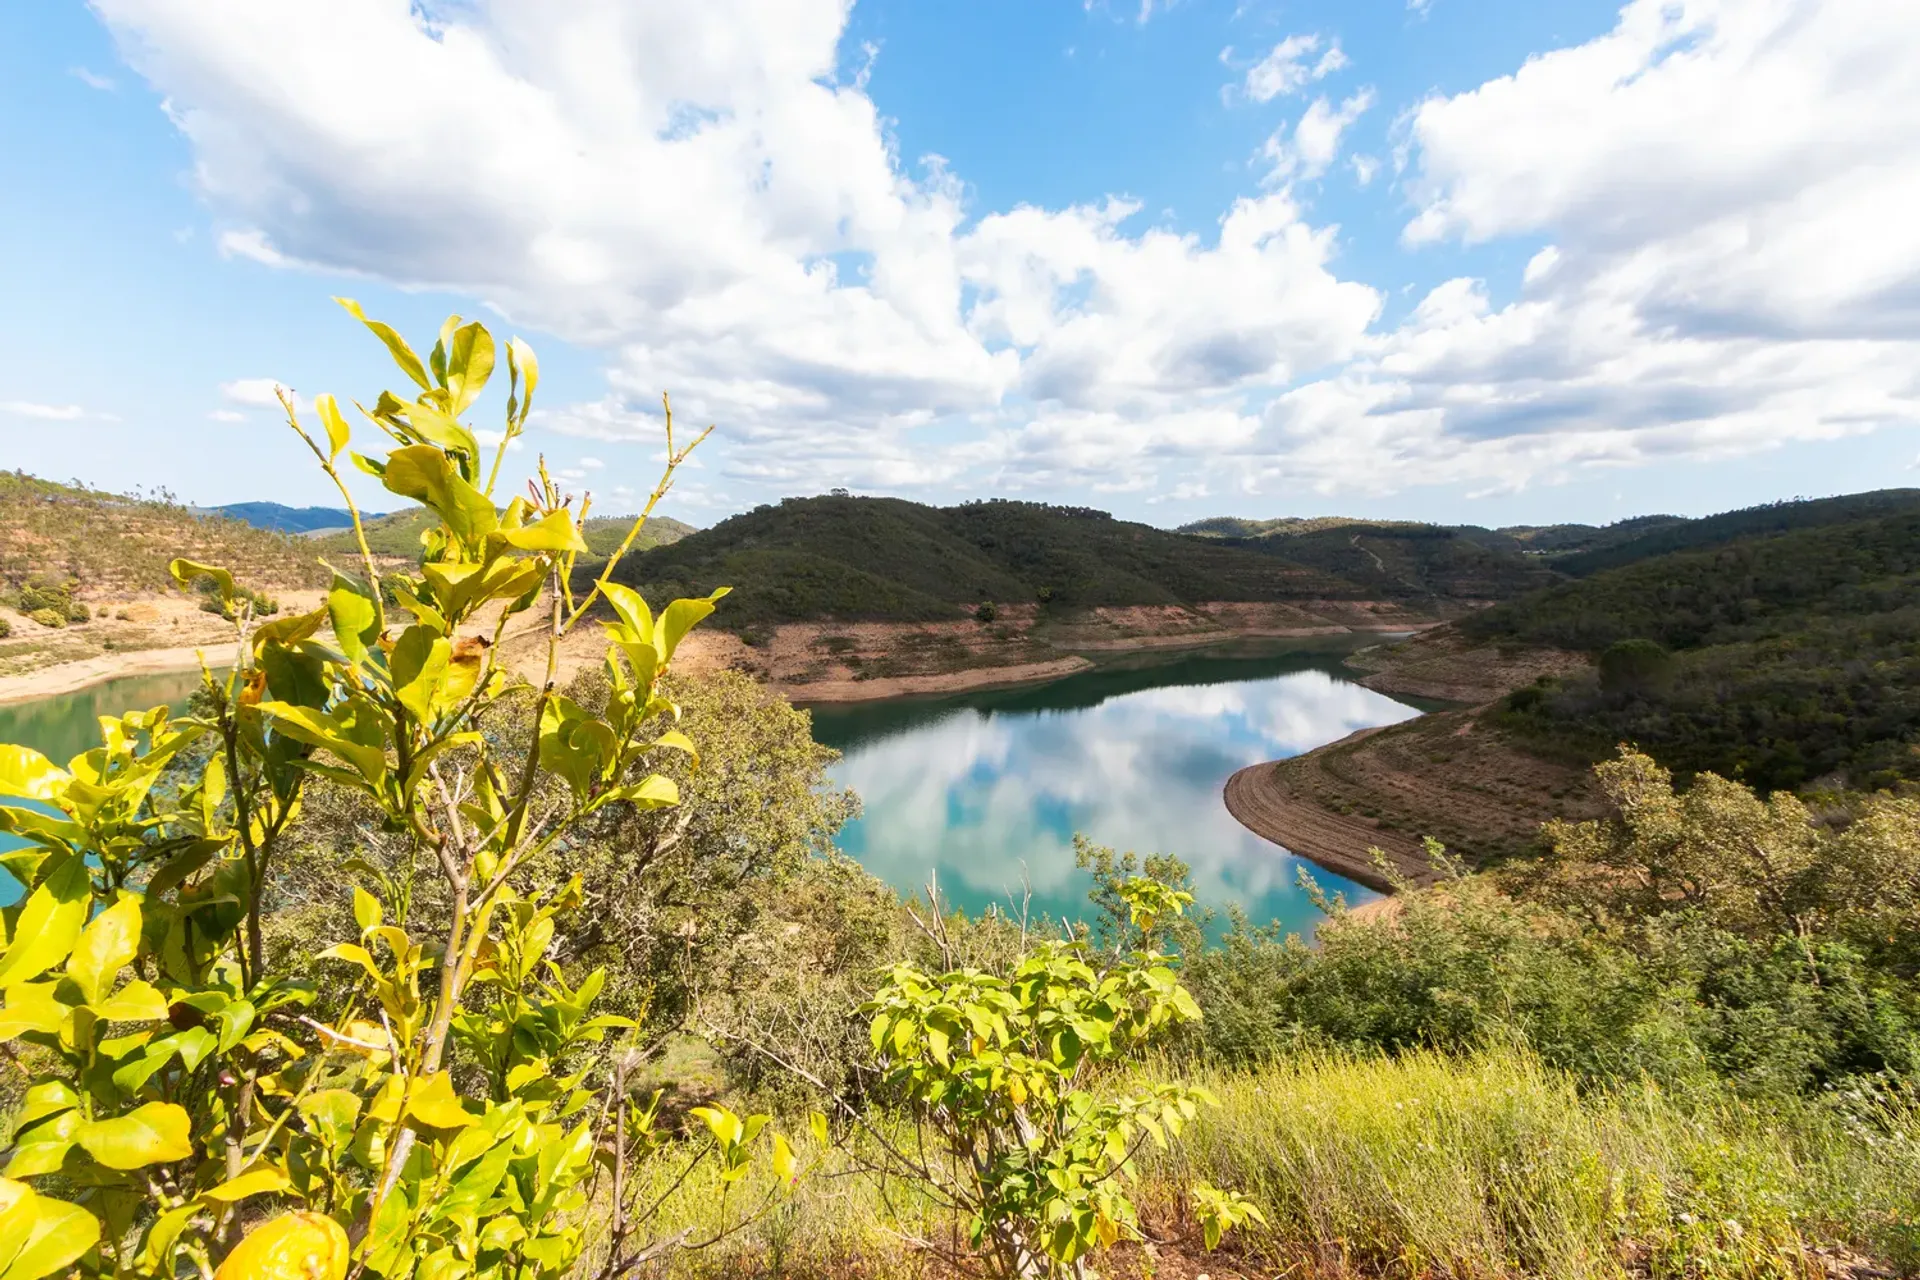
(1730, 526)
(1794, 657)
(886, 558)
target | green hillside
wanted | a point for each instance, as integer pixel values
(1656, 539)
(886, 558)
(1408, 561)
(1795, 657)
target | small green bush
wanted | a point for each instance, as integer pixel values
(985, 612)
(6, 628)
(48, 617)
(77, 612)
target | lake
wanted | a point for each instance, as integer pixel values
(985, 790)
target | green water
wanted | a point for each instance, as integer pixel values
(985, 791)
(60, 728)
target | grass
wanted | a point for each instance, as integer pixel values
(1488, 1165)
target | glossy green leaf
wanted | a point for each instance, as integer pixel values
(520, 358)
(107, 945)
(290, 629)
(329, 731)
(396, 345)
(436, 428)
(138, 1001)
(48, 1098)
(49, 924)
(419, 666)
(31, 1007)
(150, 1134)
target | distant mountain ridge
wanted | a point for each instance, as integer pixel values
(284, 519)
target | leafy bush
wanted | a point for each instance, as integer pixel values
(451, 1101)
(49, 617)
(985, 611)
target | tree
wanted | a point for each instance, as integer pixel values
(179, 1073)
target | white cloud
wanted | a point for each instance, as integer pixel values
(1316, 138)
(706, 196)
(259, 393)
(47, 412)
(1364, 167)
(92, 79)
(590, 464)
(226, 415)
(1290, 66)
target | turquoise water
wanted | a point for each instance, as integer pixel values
(985, 791)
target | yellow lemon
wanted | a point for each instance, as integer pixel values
(293, 1246)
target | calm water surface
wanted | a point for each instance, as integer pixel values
(987, 790)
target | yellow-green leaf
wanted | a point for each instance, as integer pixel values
(396, 345)
(423, 473)
(330, 417)
(632, 609)
(554, 532)
(138, 1001)
(784, 1164)
(26, 773)
(356, 614)
(251, 1183)
(469, 364)
(49, 923)
(105, 946)
(32, 1007)
(433, 1103)
(150, 1134)
(818, 1123)
(41, 1235)
(681, 617)
(185, 571)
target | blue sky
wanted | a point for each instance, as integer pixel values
(1492, 262)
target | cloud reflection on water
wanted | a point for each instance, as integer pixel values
(991, 797)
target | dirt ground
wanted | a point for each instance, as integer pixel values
(135, 634)
(1446, 775)
(1441, 663)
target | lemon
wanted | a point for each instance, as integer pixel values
(293, 1246)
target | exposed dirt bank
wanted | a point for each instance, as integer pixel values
(127, 636)
(861, 661)
(1448, 775)
(1441, 663)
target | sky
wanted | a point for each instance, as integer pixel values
(1474, 261)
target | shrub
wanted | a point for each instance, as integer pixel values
(1630, 667)
(48, 617)
(78, 612)
(454, 1098)
(6, 628)
(985, 611)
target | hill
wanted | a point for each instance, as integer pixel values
(1653, 538)
(120, 543)
(887, 559)
(284, 519)
(1789, 661)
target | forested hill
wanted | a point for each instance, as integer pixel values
(1785, 660)
(890, 559)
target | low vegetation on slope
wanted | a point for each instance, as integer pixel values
(122, 543)
(889, 559)
(1729, 526)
